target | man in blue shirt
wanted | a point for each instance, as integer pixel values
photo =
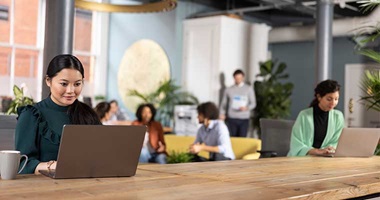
(213, 135)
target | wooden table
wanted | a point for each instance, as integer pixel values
(270, 178)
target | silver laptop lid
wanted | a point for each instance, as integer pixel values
(357, 142)
(99, 151)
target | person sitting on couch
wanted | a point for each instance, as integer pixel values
(103, 112)
(212, 136)
(154, 147)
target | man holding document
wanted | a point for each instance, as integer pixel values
(238, 100)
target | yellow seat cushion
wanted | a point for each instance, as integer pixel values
(180, 144)
(241, 146)
(245, 146)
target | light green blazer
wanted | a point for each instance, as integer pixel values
(303, 132)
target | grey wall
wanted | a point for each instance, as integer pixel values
(299, 58)
(164, 28)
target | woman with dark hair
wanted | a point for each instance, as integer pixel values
(154, 148)
(39, 127)
(317, 128)
(103, 110)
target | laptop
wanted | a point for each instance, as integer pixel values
(357, 142)
(92, 151)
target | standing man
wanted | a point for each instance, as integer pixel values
(239, 99)
(212, 136)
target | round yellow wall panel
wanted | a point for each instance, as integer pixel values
(143, 67)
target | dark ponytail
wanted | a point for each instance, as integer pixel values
(102, 109)
(79, 113)
(323, 88)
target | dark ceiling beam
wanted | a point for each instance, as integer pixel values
(302, 6)
(233, 11)
(220, 4)
(277, 12)
(294, 5)
(240, 10)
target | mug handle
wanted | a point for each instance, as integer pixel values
(26, 161)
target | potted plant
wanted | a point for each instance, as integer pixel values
(371, 79)
(371, 88)
(272, 92)
(164, 98)
(179, 157)
(19, 101)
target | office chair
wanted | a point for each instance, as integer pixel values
(275, 137)
(7, 131)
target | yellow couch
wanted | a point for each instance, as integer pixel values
(244, 148)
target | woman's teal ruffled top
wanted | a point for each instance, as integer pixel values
(38, 132)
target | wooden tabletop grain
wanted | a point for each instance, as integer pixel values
(270, 178)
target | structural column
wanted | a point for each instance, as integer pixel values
(258, 46)
(58, 33)
(324, 39)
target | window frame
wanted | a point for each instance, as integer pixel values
(98, 52)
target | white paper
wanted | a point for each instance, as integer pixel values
(239, 101)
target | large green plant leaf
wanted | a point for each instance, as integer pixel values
(281, 67)
(368, 4)
(18, 92)
(266, 68)
(371, 54)
(138, 94)
(369, 38)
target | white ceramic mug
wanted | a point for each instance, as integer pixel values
(10, 162)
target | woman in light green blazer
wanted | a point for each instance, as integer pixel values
(317, 128)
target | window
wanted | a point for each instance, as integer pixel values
(4, 13)
(4, 20)
(91, 51)
(19, 48)
(25, 22)
(82, 40)
(83, 48)
(21, 45)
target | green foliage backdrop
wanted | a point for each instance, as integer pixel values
(164, 98)
(272, 92)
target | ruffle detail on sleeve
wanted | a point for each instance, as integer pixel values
(43, 128)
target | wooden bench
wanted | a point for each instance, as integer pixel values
(244, 148)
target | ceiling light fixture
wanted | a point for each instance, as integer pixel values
(161, 6)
